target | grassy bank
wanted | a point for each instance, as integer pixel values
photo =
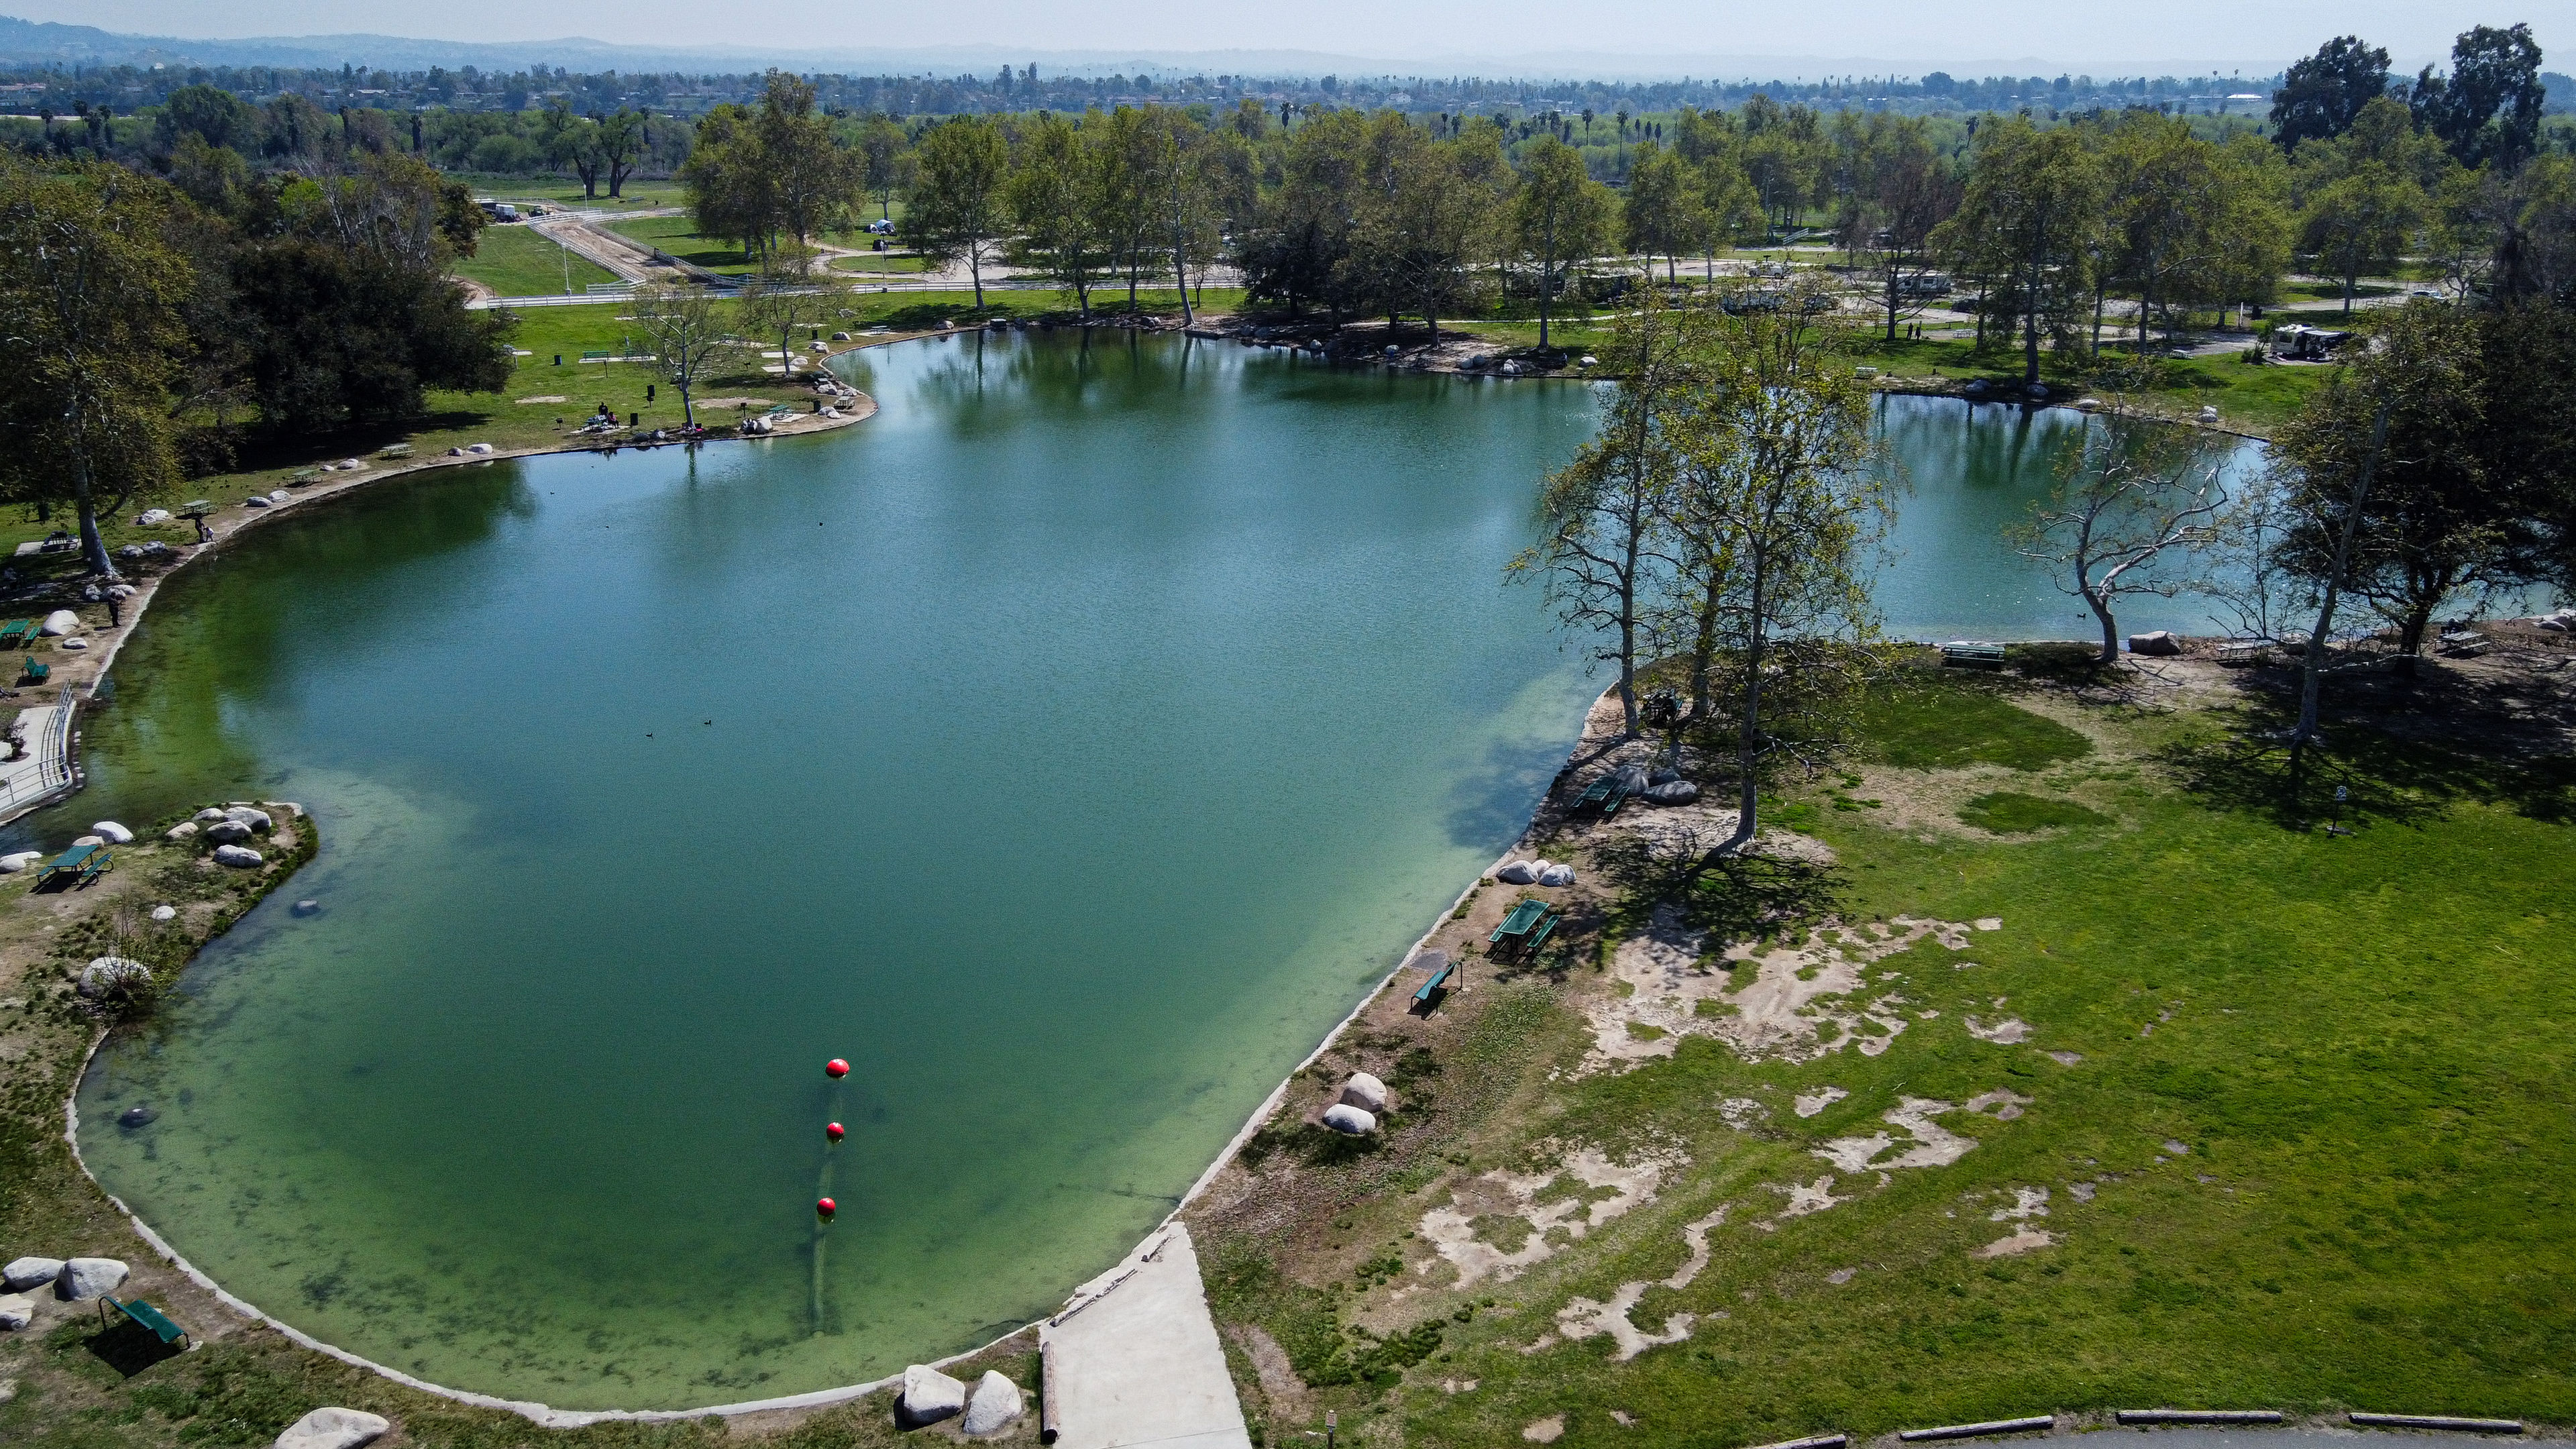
(2287, 1118)
(515, 261)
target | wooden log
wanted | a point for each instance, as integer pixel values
(1977, 1431)
(1048, 1428)
(2199, 1416)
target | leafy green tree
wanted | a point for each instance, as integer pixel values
(1779, 503)
(1058, 196)
(885, 162)
(1658, 214)
(2321, 95)
(2030, 214)
(1428, 218)
(622, 142)
(1560, 216)
(2488, 108)
(785, 301)
(90, 296)
(958, 207)
(1300, 238)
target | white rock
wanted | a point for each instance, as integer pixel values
(89, 840)
(165, 913)
(928, 1397)
(106, 972)
(1519, 872)
(334, 1429)
(17, 1311)
(208, 816)
(1557, 875)
(348, 463)
(238, 856)
(478, 447)
(996, 1405)
(180, 831)
(59, 622)
(278, 495)
(1350, 1120)
(255, 501)
(227, 831)
(2160, 642)
(116, 834)
(25, 1273)
(153, 517)
(244, 814)
(75, 644)
(123, 591)
(13, 863)
(1364, 1092)
(83, 1279)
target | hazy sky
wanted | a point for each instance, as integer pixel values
(1904, 35)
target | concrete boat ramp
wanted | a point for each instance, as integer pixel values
(1133, 1359)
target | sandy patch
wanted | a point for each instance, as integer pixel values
(1933, 1145)
(2011, 1031)
(1989, 923)
(1791, 1004)
(1451, 1229)
(2004, 1106)
(1805, 1198)
(1840, 1276)
(528, 402)
(1696, 829)
(1742, 1113)
(2019, 1243)
(1583, 1318)
(2083, 1191)
(2028, 1203)
(2066, 1059)
(734, 402)
(1545, 1431)
(1279, 1382)
(1808, 1104)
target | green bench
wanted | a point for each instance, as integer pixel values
(1525, 928)
(81, 864)
(145, 1314)
(1441, 976)
(37, 671)
(1605, 794)
(1972, 651)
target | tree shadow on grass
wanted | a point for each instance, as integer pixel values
(128, 1347)
(1734, 898)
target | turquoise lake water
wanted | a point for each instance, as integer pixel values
(1067, 747)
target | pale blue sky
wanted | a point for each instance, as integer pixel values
(1873, 35)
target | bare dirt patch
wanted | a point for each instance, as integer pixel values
(1455, 1231)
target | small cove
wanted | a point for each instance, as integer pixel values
(1067, 747)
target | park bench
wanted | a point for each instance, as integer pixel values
(1972, 651)
(1525, 928)
(1438, 982)
(37, 670)
(595, 357)
(144, 1313)
(2466, 643)
(81, 864)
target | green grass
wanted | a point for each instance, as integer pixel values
(566, 191)
(2009, 812)
(2250, 397)
(678, 235)
(881, 262)
(2315, 1088)
(1930, 723)
(515, 261)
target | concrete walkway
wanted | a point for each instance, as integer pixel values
(45, 770)
(1134, 1359)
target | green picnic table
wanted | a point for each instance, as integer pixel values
(1527, 926)
(82, 864)
(145, 1314)
(18, 631)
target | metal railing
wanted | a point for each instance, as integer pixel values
(55, 772)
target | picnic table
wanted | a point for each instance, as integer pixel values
(82, 864)
(2243, 651)
(1972, 651)
(1526, 927)
(1605, 794)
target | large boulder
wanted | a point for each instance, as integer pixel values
(181, 831)
(334, 1429)
(246, 815)
(1559, 874)
(153, 517)
(25, 1273)
(996, 1406)
(17, 1311)
(1344, 1118)
(209, 815)
(1519, 872)
(18, 860)
(1635, 778)
(1672, 792)
(83, 1279)
(239, 857)
(115, 834)
(928, 1397)
(2161, 642)
(110, 973)
(59, 622)
(1364, 1092)
(227, 832)
(1664, 776)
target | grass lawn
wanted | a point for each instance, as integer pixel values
(515, 261)
(881, 262)
(2250, 397)
(637, 193)
(678, 235)
(2288, 1123)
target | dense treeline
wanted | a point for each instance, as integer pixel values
(162, 323)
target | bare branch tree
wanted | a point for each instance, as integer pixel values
(2138, 489)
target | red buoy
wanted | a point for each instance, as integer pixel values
(825, 1207)
(832, 1130)
(836, 1068)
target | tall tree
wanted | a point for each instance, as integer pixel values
(2488, 109)
(691, 330)
(90, 292)
(2034, 199)
(622, 138)
(1058, 195)
(1779, 502)
(784, 301)
(958, 209)
(1657, 213)
(2122, 507)
(1561, 215)
(2322, 94)
(812, 179)
(885, 162)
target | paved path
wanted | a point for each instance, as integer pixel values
(45, 770)
(1134, 1358)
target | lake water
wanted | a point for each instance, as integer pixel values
(1067, 747)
